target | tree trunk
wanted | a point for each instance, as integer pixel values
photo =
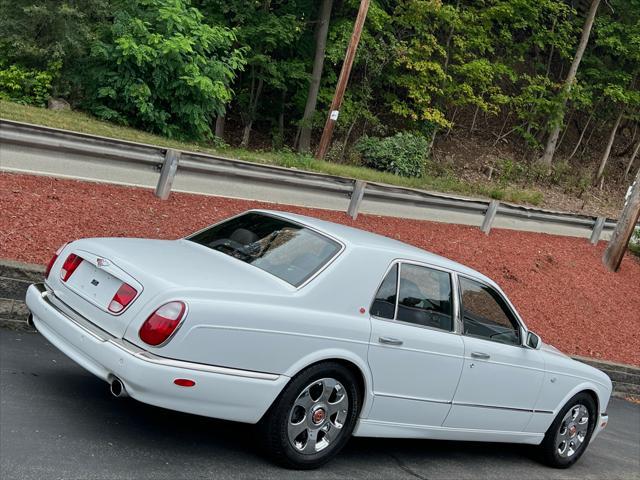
(566, 129)
(220, 120)
(584, 130)
(550, 58)
(631, 160)
(346, 138)
(607, 150)
(322, 27)
(614, 253)
(253, 107)
(550, 147)
(475, 115)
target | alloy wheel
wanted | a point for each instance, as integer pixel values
(572, 431)
(318, 416)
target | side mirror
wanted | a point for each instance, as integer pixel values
(533, 341)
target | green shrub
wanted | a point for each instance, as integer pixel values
(27, 86)
(159, 66)
(403, 154)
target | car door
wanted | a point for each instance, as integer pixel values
(415, 354)
(501, 379)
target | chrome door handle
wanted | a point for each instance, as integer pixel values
(480, 355)
(390, 341)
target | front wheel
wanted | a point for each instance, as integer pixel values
(570, 433)
(313, 417)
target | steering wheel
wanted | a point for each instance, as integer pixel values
(231, 247)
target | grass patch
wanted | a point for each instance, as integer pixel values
(81, 122)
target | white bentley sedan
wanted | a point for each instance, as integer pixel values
(315, 331)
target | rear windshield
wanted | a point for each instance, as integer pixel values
(287, 250)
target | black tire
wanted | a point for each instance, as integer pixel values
(275, 423)
(549, 448)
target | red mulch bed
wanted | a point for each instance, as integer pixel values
(558, 284)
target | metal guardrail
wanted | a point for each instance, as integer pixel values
(170, 161)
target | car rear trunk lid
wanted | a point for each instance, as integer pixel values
(156, 269)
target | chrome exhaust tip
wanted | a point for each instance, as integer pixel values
(117, 388)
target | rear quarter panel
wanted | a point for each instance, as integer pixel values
(281, 333)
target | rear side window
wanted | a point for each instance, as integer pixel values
(384, 305)
(282, 248)
(425, 297)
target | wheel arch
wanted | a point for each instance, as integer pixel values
(596, 400)
(588, 388)
(349, 360)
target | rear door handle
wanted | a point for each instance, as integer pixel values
(480, 355)
(390, 341)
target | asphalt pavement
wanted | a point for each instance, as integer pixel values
(59, 421)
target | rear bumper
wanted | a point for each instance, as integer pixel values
(219, 392)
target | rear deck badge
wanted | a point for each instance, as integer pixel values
(103, 262)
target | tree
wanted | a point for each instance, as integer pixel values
(270, 31)
(632, 159)
(49, 38)
(557, 120)
(322, 28)
(607, 150)
(160, 67)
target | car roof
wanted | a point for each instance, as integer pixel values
(356, 238)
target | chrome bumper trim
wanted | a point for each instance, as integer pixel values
(104, 337)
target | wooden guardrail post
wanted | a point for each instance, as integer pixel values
(489, 216)
(356, 198)
(167, 174)
(597, 230)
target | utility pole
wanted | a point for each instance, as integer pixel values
(334, 110)
(612, 256)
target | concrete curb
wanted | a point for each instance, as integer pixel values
(15, 278)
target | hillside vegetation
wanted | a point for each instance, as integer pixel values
(495, 94)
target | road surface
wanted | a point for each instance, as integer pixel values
(58, 421)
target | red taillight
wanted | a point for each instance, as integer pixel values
(69, 266)
(184, 382)
(162, 323)
(123, 297)
(47, 270)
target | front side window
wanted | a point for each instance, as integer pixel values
(425, 297)
(282, 248)
(486, 315)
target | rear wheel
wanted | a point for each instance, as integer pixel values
(570, 433)
(313, 417)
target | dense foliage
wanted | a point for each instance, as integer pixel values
(490, 72)
(403, 154)
(159, 66)
(27, 86)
